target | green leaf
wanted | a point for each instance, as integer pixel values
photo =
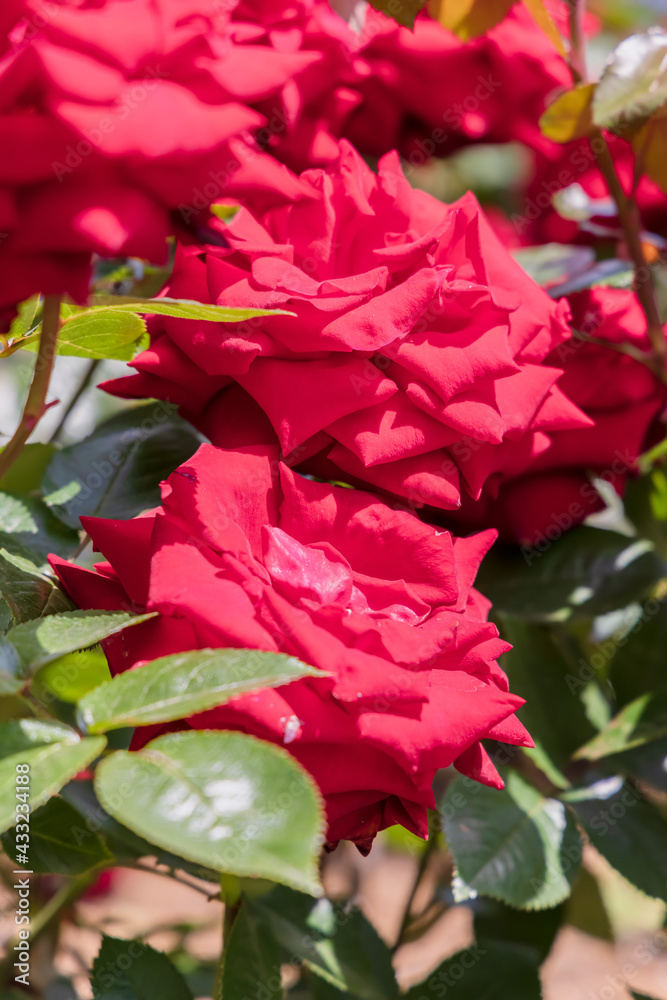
(130, 970)
(467, 18)
(642, 721)
(252, 959)
(98, 333)
(173, 687)
(28, 592)
(554, 713)
(116, 472)
(637, 666)
(634, 81)
(569, 116)
(514, 845)
(17, 735)
(485, 971)
(585, 573)
(56, 844)
(10, 669)
(51, 766)
(124, 844)
(333, 941)
(71, 677)
(188, 309)
(25, 475)
(402, 11)
(627, 831)
(46, 639)
(30, 523)
(24, 320)
(199, 793)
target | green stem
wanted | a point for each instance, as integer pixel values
(36, 405)
(83, 385)
(231, 913)
(577, 40)
(49, 913)
(431, 846)
(626, 205)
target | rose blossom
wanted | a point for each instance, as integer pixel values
(244, 553)
(622, 397)
(416, 359)
(382, 86)
(110, 119)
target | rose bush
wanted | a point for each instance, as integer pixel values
(623, 399)
(114, 118)
(415, 364)
(245, 553)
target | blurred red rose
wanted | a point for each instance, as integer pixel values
(244, 553)
(423, 92)
(111, 118)
(622, 397)
(416, 352)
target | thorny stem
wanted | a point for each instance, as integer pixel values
(36, 405)
(628, 212)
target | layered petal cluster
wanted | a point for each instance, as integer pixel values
(384, 87)
(624, 401)
(244, 553)
(110, 119)
(415, 359)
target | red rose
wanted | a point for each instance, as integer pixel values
(622, 397)
(244, 553)
(110, 119)
(423, 92)
(427, 93)
(414, 363)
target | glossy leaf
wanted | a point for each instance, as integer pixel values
(39, 642)
(28, 592)
(638, 662)
(198, 793)
(131, 970)
(570, 116)
(485, 971)
(116, 472)
(71, 677)
(26, 472)
(252, 959)
(189, 309)
(514, 845)
(641, 721)
(585, 573)
(634, 81)
(627, 830)
(17, 735)
(51, 766)
(59, 842)
(542, 17)
(125, 845)
(334, 942)
(99, 333)
(496, 922)
(173, 687)
(554, 713)
(30, 523)
(11, 681)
